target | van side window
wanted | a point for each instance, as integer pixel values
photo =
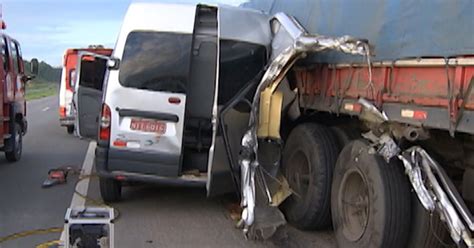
(14, 55)
(4, 54)
(156, 61)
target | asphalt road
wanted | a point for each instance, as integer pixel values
(150, 215)
(24, 205)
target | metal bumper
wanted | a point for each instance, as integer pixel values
(110, 163)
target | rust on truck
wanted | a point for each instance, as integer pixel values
(437, 87)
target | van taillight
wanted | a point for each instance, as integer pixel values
(62, 111)
(104, 124)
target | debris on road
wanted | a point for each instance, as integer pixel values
(58, 176)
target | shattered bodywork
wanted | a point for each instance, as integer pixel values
(429, 181)
(290, 43)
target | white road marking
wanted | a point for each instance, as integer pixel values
(45, 109)
(83, 186)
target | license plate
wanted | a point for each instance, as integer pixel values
(150, 126)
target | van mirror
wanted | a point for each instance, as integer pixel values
(34, 66)
(113, 63)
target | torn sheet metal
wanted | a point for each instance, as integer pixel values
(372, 113)
(290, 43)
(440, 194)
(432, 186)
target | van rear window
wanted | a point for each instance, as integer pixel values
(156, 61)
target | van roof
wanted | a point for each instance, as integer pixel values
(178, 18)
(234, 23)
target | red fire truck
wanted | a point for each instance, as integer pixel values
(12, 93)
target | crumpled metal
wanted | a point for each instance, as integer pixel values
(435, 197)
(434, 190)
(282, 60)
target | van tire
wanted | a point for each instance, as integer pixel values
(311, 150)
(15, 143)
(110, 189)
(70, 129)
(370, 200)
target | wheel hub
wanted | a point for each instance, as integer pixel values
(354, 205)
(299, 174)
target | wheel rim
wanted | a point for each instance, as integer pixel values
(354, 205)
(18, 142)
(299, 173)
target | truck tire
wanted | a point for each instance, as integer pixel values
(15, 143)
(110, 189)
(427, 230)
(370, 200)
(70, 129)
(309, 157)
(344, 135)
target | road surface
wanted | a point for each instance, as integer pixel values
(150, 215)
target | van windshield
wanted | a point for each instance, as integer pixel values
(156, 61)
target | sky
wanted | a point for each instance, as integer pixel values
(46, 28)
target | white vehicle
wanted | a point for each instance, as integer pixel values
(68, 78)
(158, 103)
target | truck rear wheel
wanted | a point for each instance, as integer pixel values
(427, 230)
(309, 157)
(110, 189)
(370, 200)
(15, 143)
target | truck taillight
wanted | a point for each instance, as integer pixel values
(104, 125)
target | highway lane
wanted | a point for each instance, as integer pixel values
(151, 215)
(161, 216)
(24, 204)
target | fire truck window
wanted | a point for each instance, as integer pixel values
(18, 56)
(93, 73)
(14, 57)
(3, 44)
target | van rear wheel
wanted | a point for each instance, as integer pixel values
(110, 189)
(370, 200)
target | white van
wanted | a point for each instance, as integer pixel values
(174, 67)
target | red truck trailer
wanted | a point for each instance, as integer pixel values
(428, 104)
(68, 77)
(12, 92)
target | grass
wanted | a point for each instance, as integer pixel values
(37, 90)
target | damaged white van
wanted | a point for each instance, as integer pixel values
(153, 106)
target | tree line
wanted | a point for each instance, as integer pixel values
(46, 73)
